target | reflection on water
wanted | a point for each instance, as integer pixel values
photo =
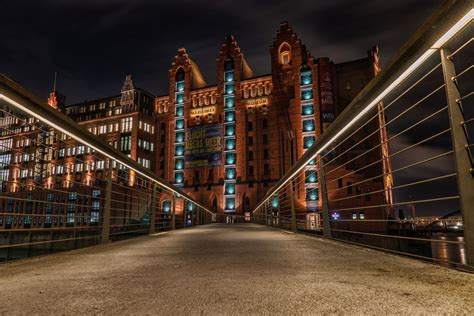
(449, 251)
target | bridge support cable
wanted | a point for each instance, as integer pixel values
(394, 171)
(461, 143)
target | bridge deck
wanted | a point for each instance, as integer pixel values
(231, 269)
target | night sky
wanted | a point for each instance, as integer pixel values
(93, 44)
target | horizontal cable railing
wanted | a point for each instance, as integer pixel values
(63, 188)
(395, 170)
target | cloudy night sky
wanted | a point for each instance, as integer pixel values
(93, 44)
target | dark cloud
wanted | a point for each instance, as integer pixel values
(93, 44)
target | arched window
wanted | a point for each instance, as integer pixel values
(229, 64)
(284, 54)
(180, 74)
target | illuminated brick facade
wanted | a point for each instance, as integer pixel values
(266, 122)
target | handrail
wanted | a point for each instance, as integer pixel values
(17, 96)
(430, 37)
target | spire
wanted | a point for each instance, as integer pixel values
(56, 100)
(55, 77)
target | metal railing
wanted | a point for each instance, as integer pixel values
(395, 169)
(63, 188)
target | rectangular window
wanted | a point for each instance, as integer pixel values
(125, 143)
(127, 124)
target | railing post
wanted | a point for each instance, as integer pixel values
(198, 214)
(324, 198)
(153, 210)
(173, 213)
(464, 169)
(279, 211)
(105, 234)
(292, 205)
(266, 213)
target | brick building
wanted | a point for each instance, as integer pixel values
(227, 144)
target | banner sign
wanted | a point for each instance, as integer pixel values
(326, 95)
(203, 146)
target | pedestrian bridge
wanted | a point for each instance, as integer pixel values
(354, 226)
(231, 269)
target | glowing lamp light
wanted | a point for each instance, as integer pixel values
(311, 177)
(229, 102)
(179, 164)
(308, 109)
(179, 150)
(307, 94)
(229, 76)
(230, 130)
(275, 202)
(229, 89)
(180, 111)
(306, 78)
(179, 124)
(335, 216)
(180, 86)
(308, 125)
(180, 98)
(229, 188)
(308, 141)
(312, 194)
(229, 203)
(230, 116)
(166, 206)
(229, 144)
(230, 159)
(178, 177)
(179, 137)
(189, 206)
(230, 173)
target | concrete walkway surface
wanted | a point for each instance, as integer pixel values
(231, 269)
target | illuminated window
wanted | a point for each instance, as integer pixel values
(229, 102)
(307, 109)
(179, 110)
(180, 124)
(312, 194)
(230, 116)
(230, 204)
(230, 173)
(311, 176)
(284, 54)
(275, 202)
(307, 94)
(166, 206)
(308, 125)
(229, 188)
(179, 164)
(179, 137)
(179, 150)
(308, 141)
(126, 124)
(230, 130)
(230, 158)
(305, 75)
(178, 177)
